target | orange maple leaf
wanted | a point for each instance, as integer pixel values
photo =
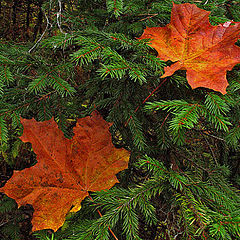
(67, 168)
(193, 44)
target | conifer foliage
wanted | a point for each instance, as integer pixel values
(65, 59)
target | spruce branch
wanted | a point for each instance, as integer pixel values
(100, 214)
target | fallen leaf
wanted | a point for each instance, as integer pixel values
(193, 44)
(67, 168)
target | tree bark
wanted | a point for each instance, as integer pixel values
(29, 2)
(38, 26)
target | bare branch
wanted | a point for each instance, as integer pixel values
(59, 17)
(47, 26)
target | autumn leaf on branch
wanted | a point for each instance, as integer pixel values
(193, 44)
(67, 168)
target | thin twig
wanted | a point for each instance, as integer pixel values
(208, 134)
(211, 150)
(152, 15)
(146, 100)
(193, 162)
(4, 223)
(27, 104)
(59, 13)
(213, 136)
(205, 2)
(100, 214)
(165, 119)
(40, 39)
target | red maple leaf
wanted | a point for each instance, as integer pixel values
(193, 44)
(67, 168)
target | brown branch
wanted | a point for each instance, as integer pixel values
(146, 99)
(40, 23)
(194, 163)
(211, 150)
(100, 214)
(152, 15)
(207, 134)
